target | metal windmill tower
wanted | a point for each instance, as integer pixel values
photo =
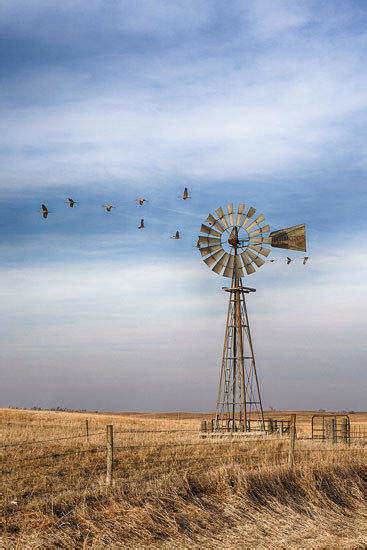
(234, 243)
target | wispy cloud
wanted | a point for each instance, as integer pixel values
(263, 111)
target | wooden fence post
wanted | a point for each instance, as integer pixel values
(292, 440)
(87, 430)
(334, 431)
(344, 435)
(109, 458)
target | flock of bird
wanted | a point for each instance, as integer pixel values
(289, 260)
(72, 203)
(140, 201)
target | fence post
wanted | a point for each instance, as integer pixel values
(87, 430)
(334, 431)
(344, 430)
(109, 458)
(292, 440)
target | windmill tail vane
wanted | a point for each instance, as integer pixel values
(234, 243)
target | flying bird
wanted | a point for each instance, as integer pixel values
(44, 211)
(272, 260)
(176, 235)
(305, 260)
(71, 202)
(288, 260)
(108, 207)
(185, 194)
(140, 201)
(141, 226)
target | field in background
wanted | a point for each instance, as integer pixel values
(173, 488)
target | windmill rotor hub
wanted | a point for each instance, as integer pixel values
(233, 238)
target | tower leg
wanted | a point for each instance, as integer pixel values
(239, 406)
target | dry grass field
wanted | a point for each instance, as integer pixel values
(173, 489)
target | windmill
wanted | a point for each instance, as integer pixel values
(234, 243)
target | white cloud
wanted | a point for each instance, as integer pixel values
(165, 322)
(268, 18)
(220, 127)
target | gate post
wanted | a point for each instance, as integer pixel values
(292, 440)
(345, 430)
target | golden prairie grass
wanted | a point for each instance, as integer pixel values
(173, 489)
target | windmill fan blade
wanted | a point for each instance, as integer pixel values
(260, 231)
(251, 211)
(208, 241)
(247, 263)
(258, 220)
(211, 260)
(249, 269)
(219, 212)
(221, 264)
(214, 223)
(228, 272)
(238, 266)
(209, 231)
(210, 219)
(290, 238)
(260, 250)
(240, 218)
(230, 213)
(209, 250)
(257, 261)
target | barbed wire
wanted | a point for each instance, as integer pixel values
(154, 431)
(116, 432)
(64, 438)
(168, 432)
(179, 444)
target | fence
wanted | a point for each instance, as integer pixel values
(106, 451)
(106, 444)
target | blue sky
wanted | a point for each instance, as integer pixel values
(262, 102)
